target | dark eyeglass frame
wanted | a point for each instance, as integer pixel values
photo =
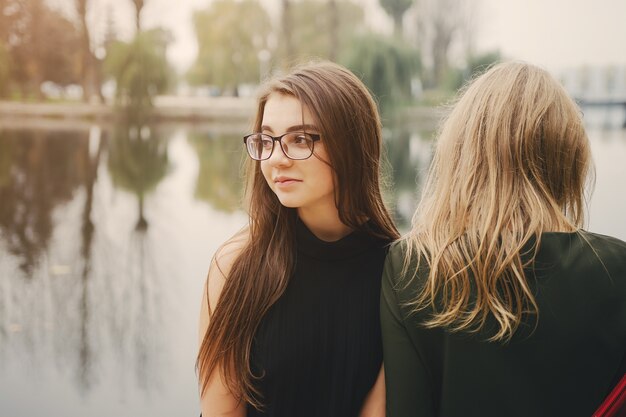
(314, 137)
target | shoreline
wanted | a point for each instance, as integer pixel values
(202, 111)
(165, 107)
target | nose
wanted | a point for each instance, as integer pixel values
(278, 157)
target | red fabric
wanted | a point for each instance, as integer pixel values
(614, 405)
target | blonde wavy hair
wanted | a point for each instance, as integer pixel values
(511, 162)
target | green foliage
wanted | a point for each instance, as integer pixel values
(230, 35)
(140, 70)
(435, 97)
(313, 28)
(385, 65)
(478, 64)
(138, 161)
(137, 164)
(455, 78)
(396, 9)
(219, 180)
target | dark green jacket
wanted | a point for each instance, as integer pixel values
(565, 367)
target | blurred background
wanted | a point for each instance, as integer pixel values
(121, 153)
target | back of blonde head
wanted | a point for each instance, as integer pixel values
(511, 162)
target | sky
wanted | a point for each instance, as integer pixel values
(555, 34)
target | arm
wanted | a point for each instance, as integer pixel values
(217, 400)
(408, 384)
(374, 405)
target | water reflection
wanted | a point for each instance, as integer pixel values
(38, 172)
(220, 181)
(137, 163)
(81, 288)
(409, 153)
(105, 237)
(91, 162)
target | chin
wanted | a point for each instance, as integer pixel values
(289, 202)
(292, 200)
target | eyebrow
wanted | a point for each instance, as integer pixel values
(296, 128)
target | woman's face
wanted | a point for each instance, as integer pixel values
(302, 184)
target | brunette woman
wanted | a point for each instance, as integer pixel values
(497, 303)
(290, 320)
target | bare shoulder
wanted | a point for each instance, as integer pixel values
(216, 398)
(228, 253)
(222, 263)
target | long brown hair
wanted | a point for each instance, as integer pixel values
(349, 125)
(511, 162)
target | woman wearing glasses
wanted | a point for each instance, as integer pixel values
(290, 320)
(497, 303)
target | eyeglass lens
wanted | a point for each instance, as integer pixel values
(296, 145)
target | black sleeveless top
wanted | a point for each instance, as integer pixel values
(318, 349)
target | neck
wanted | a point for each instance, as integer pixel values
(325, 224)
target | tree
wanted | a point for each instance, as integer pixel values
(444, 27)
(43, 176)
(456, 77)
(29, 47)
(138, 8)
(440, 23)
(219, 179)
(396, 9)
(477, 64)
(385, 65)
(91, 70)
(138, 162)
(60, 35)
(333, 13)
(322, 30)
(5, 57)
(230, 36)
(40, 44)
(5, 70)
(140, 70)
(286, 27)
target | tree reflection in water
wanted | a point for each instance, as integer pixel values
(103, 250)
(41, 174)
(137, 163)
(220, 180)
(87, 234)
(221, 157)
(38, 172)
(76, 293)
(408, 153)
(88, 277)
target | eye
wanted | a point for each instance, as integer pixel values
(300, 140)
(267, 143)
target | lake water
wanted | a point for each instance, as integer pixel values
(105, 239)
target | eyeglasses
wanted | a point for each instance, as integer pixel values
(295, 145)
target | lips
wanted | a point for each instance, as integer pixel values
(282, 180)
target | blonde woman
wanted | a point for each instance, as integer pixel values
(497, 303)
